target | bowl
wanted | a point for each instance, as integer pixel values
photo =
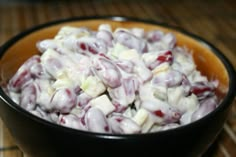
(39, 138)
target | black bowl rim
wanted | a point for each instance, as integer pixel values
(222, 106)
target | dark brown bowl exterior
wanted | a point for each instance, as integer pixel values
(39, 138)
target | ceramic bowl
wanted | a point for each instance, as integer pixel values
(39, 138)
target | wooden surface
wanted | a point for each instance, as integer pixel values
(215, 20)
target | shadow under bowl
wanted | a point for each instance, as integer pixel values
(39, 138)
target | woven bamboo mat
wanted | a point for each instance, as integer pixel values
(215, 20)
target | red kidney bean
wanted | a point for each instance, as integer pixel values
(43, 87)
(19, 79)
(131, 86)
(38, 71)
(125, 94)
(172, 115)
(128, 126)
(46, 44)
(118, 107)
(131, 41)
(23, 74)
(167, 56)
(83, 99)
(202, 89)
(28, 96)
(40, 113)
(123, 125)
(53, 66)
(170, 40)
(72, 121)
(91, 45)
(106, 36)
(170, 78)
(108, 72)
(69, 37)
(138, 32)
(96, 121)
(206, 106)
(154, 36)
(104, 55)
(114, 122)
(142, 71)
(162, 112)
(53, 117)
(126, 66)
(186, 85)
(31, 61)
(105, 27)
(63, 100)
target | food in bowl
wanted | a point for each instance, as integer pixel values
(125, 81)
(32, 134)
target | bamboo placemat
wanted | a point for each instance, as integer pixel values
(215, 20)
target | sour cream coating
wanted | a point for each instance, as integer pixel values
(122, 81)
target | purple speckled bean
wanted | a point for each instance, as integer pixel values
(91, 45)
(53, 66)
(46, 44)
(206, 106)
(83, 99)
(142, 71)
(114, 122)
(131, 85)
(96, 121)
(162, 112)
(131, 41)
(170, 78)
(202, 89)
(138, 32)
(53, 117)
(63, 100)
(124, 94)
(43, 87)
(40, 113)
(108, 72)
(118, 107)
(126, 66)
(23, 74)
(105, 27)
(170, 40)
(19, 79)
(38, 71)
(154, 36)
(28, 96)
(123, 125)
(72, 121)
(31, 61)
(166, 56)
(186, 85)
(106, 36)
